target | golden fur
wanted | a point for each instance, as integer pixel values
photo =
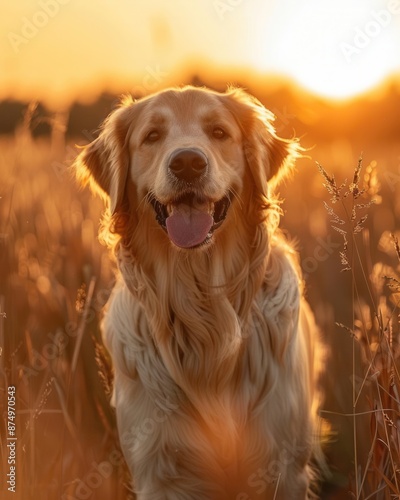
(213, 346)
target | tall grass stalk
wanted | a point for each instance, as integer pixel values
(375, 335)
(49, 347)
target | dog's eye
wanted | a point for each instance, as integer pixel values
(152, 136)
(219, 133)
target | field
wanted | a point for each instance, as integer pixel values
(55, 278)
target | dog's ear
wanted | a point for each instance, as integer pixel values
(104, 163)
(269, 157)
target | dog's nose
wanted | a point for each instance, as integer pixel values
(188, 164)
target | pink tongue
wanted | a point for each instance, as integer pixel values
(188, 230)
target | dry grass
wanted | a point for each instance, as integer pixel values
(55, 278)
(375, 334)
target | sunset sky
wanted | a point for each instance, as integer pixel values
(58, 50)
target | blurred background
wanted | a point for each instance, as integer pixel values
(330, 72)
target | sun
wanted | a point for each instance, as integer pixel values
(335, 49)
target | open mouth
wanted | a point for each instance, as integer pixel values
(190, 220)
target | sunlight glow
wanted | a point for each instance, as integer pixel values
(336, 49)
(58, 50)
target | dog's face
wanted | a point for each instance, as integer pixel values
(187, 159)
(188, 155)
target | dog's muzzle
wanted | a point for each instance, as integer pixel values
(190, 218)
(188, 165)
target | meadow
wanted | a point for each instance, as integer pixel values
(55, 277)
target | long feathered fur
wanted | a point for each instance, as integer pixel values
(214, 349)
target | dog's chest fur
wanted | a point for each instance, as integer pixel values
(206, 360)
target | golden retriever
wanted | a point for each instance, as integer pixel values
(213, 345)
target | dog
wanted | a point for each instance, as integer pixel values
(214, 347)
